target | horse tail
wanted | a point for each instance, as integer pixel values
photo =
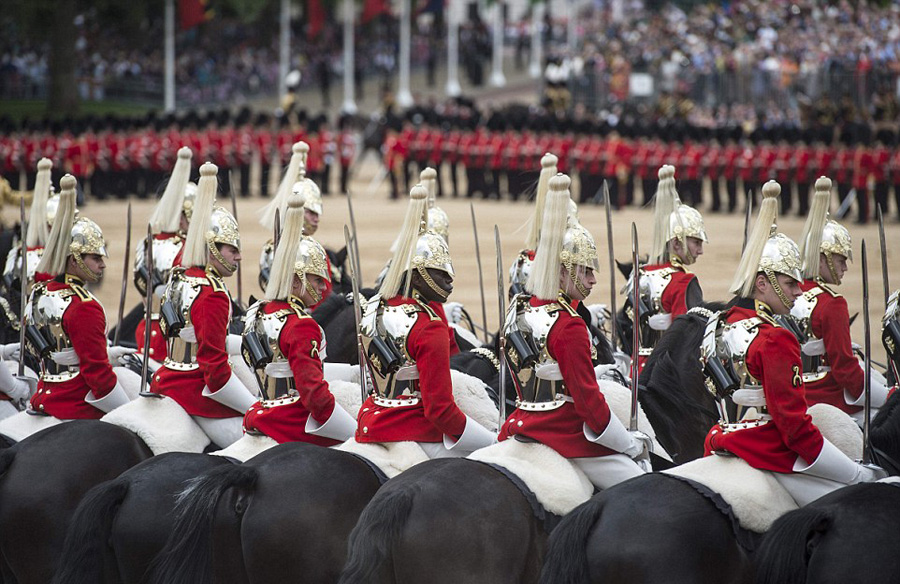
(566, 561)
(784, 552)
(376, 532)
(187, 555)
(82, 559)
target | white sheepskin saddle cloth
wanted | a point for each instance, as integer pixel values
(247, 447)
(22, 425)
(348, 394)
(471, 397)
(161, 423)
(557, 484)
(391, 457)
(755, 496)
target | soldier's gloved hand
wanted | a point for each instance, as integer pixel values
(9, 352)
(599, 314)
(454, 312)
(869, 473)
(116, 352)
(608, 371)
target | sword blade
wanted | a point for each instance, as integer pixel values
(23, 285)
(636, 329)
(612, 266)
(240, 290)
(148, 309)
(356, 266)
(867, 403)
(884, 265)
(747, 215)
(480, 272)
(357, 317)
(276, 236)
(501, 295)
(124, 291)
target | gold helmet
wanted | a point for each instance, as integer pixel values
(71, 236)
(823, 235)
(563, 241)
(311, 259)
(416, 248)
(296, 254)
(767, 251)
(190, 195)
(673, 219)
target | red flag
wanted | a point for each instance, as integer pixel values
(316, 15)
(191, 13)
(374, 8)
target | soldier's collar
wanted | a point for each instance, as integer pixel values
(72, 280)
(211, 271)
(677, 263)
(295, 302)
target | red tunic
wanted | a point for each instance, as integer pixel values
(84, 321)
(436, 413)
(210, 314)
(830, 321)
(773, 358)
(300, 337)
(562, 429)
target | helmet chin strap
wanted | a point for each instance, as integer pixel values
(829, 259)
(570, 267)
(313, 295)
(779, 291)
(443, 294)
(89, 273)
(686, 258)
(231, 267)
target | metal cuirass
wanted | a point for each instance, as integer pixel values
(385, 331)
(653, 284)
(181, 293)
(527, 329)
(274, 375)
(724, 354)
(164, 253)
(45, 313)
(812, 349)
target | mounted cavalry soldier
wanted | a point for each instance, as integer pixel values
(745, 349)
(169, 224)
(195, 312)
(831, 372)
(409, 348)
(549, 350)
(668, 289)
(66, 325)
(287, 347)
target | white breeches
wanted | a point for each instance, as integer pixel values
(806, 488)
(7, 409)
(437, 450)
(607, 471)
(221, 431)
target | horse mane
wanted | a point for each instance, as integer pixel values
(884, 431)
(335, 304)
(378, 529)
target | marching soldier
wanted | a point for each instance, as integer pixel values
(297, 405)
(195, 311)
(68, 323)
(410, 347)
(782, 438)
(559, 403)
(169, 224)
(831, 372)
(668, 289)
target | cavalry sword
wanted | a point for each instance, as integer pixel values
(867, 403)
(124, 289)
(480, 273)
(884, 278)
(636, 328)
(747, 215)
(501, 392)
(356, 266)
(612, 267)
(148, 313)
(23, 286)
(357, 317)
(240, 293)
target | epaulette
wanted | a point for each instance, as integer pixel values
(826, 288)
(216, 282)
(765, 313)
(297, 307)
(562, 303)
(421, 306)
(81, 292)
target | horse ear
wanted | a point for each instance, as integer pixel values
(341, 256)
(624, 268)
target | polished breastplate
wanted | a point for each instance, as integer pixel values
(385, 331)
(726, 345)
(275, 375)
(45, 312)
(181, 293)
(527, 330)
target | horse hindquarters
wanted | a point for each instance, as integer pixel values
(446, 521)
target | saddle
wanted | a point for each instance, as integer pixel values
(247, 447)
(23, 424)
(391, 458)
(161, 423)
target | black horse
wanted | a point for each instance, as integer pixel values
(121, 525)
(282, 516)
(849, 535)
(656, 528)
(42, 480)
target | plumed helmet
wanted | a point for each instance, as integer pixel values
(822, 235)
(311, 194)
(52, 206)
(432, 252)
(87, 238)
(836, 239)
(438, 221)
(781, 256)
(311, 259)
(673, 219)
(190, 195)
(223, 228)
(166, 217)
(578, 247)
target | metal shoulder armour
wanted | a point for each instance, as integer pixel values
(164, 253)
(653, 284)
(890, 328)
(44, 316)
(13, 266)
(175, 311)
(262, 351)
(734, 343)
(723, 354)
(812, 348)
(803, 308)
(266, 258)
(527, 331)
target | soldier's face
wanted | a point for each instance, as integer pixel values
(441, 279)
(766, 292)
(310, 222)
(581, 289)
(231, 254)
(317, 283)
(840, 268)
(92, 261)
